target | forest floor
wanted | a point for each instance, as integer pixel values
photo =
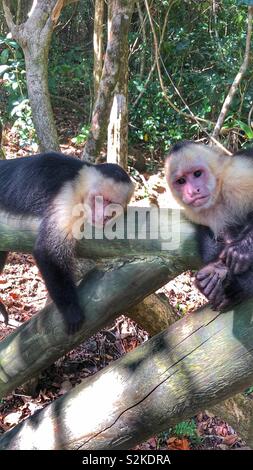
(23, 293)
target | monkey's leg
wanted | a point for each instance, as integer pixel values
(55, 264)
(239, 288)
(3, 311)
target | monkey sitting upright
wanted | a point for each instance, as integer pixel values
(51, 186)
(216, 192)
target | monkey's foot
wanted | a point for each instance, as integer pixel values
(238, 256)
(210, 281)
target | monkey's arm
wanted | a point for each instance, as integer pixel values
(238, 254)
(213, 277)
(209, 248)
(216, 281)
(55, 261)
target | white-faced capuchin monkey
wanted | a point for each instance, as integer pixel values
(50, 186)
(216, 192)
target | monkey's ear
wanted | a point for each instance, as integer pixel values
(167, 166)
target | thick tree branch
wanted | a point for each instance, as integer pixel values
(202, 359)
(104, 294)
(122, 11)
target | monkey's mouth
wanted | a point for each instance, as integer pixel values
(200, 201)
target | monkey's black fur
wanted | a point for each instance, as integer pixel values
(28, 186)
(110, 170)
(227, 288)
(220, 284)
(179, 145)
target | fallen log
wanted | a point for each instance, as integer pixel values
(200, 360)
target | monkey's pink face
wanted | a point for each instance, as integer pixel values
(99, 207)
(103, 209)
(193, 187)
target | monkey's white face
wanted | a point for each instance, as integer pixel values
(194, 187)
(101, 210)
(97, 199)
(108, 203)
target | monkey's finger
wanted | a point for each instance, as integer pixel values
(231, 255)
(219, 306)
(215, 304)
(217, 292)
(236, 260)
(240, 269)
(221, 302)
(74, 325)
(211, 285)
(204, 274)
(73, 328)
(225, 305)
(240, 264)
(204, 282)
(223, 254)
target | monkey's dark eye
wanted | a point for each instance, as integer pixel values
(197, 173)
(180, 181)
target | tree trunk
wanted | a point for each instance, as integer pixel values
(37, 85)
(104, 294)
(153, 314)
(117, 145)
(222, 342)
(34, 37)
(173, 239)
(117, 135)
(202, 359)
(238, 412)
(98, 43)
(122, 11)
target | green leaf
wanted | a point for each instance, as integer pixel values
(246, 128)
(4, 56)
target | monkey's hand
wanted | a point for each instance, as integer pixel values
(73, 318)
(211, 281)
(238, 256)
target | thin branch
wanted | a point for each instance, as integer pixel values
(60, 4)
(144, 38)
(190, 116)
(8, 15)
(197, 119)
(249, 116)
(159, 47)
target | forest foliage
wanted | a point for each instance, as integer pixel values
(200, 52)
